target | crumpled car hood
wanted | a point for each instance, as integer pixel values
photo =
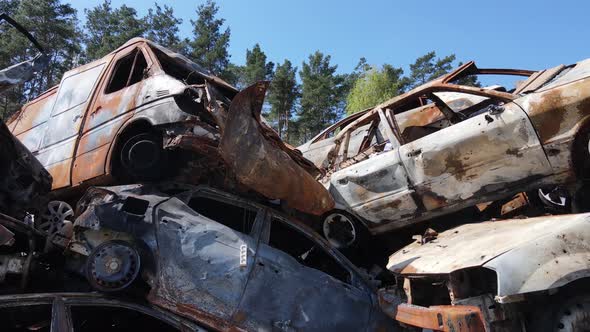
(261, 161)
(473, 245)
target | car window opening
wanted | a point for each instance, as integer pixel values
(232, 216)
(128, 71)
(288, 239)
(107, 319)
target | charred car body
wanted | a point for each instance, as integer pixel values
(24, 181)
(122, 114)
(113, 115)
(443, 147)
(221, 260)
(508, 275)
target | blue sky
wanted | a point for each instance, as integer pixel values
(508, 34)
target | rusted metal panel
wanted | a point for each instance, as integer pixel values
(263, 162)
(479, 156)
(442, 318)
(557, 113)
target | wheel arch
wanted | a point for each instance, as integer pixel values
(131, 127)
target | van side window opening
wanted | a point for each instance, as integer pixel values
(128, 71)
(235, 217)
(291, 241)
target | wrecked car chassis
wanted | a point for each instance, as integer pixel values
(203, 261)
(444, 147)
(117, 119)
(509, 275)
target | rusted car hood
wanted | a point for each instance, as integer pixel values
(473, 245)
(262, 162)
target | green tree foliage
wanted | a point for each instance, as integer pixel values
(256, 68)
(429, 67)
(162, 28)
(322, 94)
(54, 25)
(209, 45)
(108, 28)
(283, 93)
(374, 86)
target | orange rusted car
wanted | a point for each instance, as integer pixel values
(143, 112)
(113, 116)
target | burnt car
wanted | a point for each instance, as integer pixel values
(114, 115)
(23, 180)
(219, 259)
(507, 275)
(443, 147)
(74, 312)
(130, 115)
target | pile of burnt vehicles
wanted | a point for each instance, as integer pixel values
(146, 188)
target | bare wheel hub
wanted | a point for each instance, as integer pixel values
(112, 266)
(339, 230)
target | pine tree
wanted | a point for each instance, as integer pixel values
(162, 28)
(428, 67)
(282, 96)
(108, 28)
(322, 95)
(209, 45)
(256, 68)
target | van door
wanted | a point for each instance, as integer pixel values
(117, 97)
(61, 133)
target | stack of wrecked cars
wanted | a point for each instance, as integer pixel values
(144, 192)
(175, 255)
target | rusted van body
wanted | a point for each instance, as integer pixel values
(117, 112)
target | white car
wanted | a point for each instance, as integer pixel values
(442, 147)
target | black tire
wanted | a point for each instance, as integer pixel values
(142, 157)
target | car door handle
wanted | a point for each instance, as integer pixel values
(415, 153)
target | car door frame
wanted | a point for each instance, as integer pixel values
(210, 318)
(434, 203)
(357, 284)
(58, 156)
(96, 139)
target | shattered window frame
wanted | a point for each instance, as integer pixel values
(135, 53)
(248, 210)
(266, 239)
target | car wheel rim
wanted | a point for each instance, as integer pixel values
(112, 266)
(54, 219)
(339, 230)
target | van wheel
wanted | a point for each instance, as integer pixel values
(142, 156)
(342, 230)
